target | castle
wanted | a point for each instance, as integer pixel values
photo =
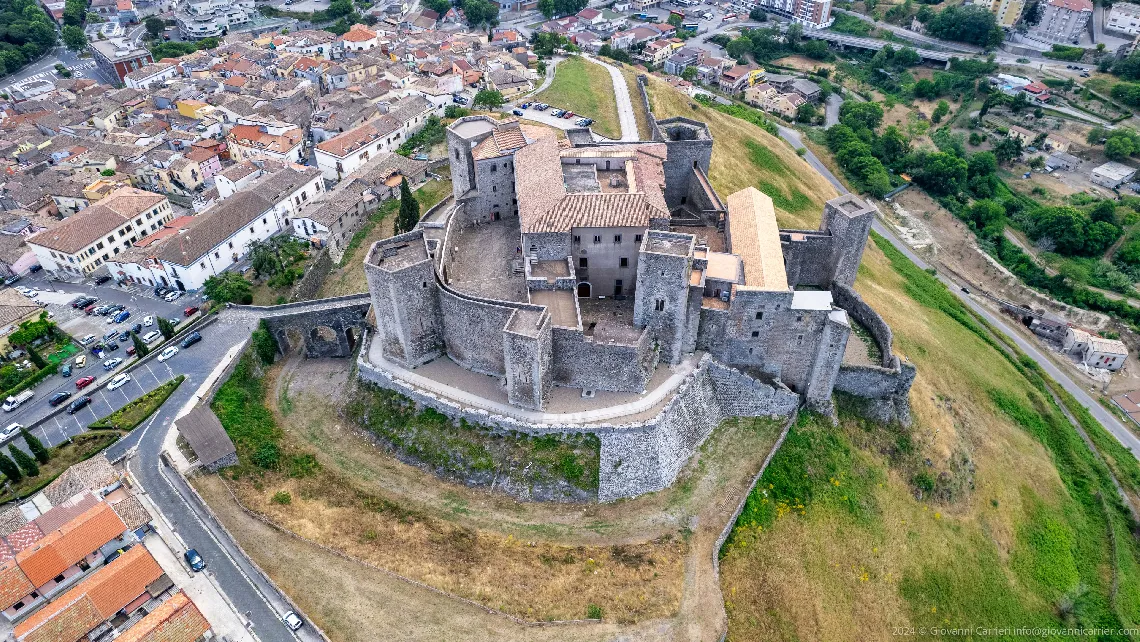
(605, 267)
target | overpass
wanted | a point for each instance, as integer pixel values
(871, 44)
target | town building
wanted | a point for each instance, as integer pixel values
(80, 244)
(1124, 17)
(1112, 174)
(1094, 351)
(118, 57)
(359, 38)
(150, 75)
(1063, 21)
(1007, 12)
(254, 139)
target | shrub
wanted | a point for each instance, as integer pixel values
(267, 456)
(594, 612)
(24, 461)
(282, 497)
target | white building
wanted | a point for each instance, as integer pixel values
(1094, 351)
(220, 236)
(1063, 21)
(214, 18)
(1124, 17)
(254, 138)
(93, 236)
(149, 75)
(359, 38)
(1112, 174)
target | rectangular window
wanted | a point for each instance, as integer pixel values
(660, 305)
(636, 238)
(577, 239)
(759, 316)
(617, 238)
(583, 262)
(624, 262)
(597, 238)
(755, 334)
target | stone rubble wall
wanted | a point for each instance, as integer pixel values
(584, 363)
(314, 278)
(635, 458)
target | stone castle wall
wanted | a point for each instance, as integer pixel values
(639, 457)
(593, 365)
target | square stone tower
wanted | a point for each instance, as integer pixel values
(405, 298)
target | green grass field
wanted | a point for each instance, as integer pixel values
(587, 89)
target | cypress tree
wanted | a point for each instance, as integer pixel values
(36, 446)
(409, 209)
(165, 328)
(10, 469)
(24, 461)
(140, 346)
(35, 358)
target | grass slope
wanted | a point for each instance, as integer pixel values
(989, 511)
(744, 155)
(587, 89)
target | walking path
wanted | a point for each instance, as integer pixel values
(624, 102)
(645, 402)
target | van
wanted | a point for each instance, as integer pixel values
(12, 403)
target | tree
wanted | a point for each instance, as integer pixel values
(409, 214)
(806, 113)
(154, 27)
(546, 8)
(338, 8)
(264, 258)
(439, 6)
(942, 174)
(35, 358)
(689, 73)
(892, 146)
(480, 12)
(166, 328)
(925, 89)
(141, 348)
(940, 111)
(10, 469)
(27, 465)
(1104, 211)
(74, 37)
(107, 172)
(982, 164)
(491, 98)
(1007, 150)
(985, 213)
(973, 24)
(674, 19)
(228, 287)
(758, 15)
(35, 446)
(856, 115)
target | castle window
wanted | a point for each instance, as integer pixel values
(799, 339)
(617, 238)
(493, 168)
(425, 284)
(577, 239)
(660, 305)
(624, 262)
(799, 317)
(597, 238)
(457, 154)
(494, 188)
(755, 334)
(636, 238)
(759, 316)
(583, 262)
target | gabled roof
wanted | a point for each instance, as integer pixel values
(175, 620)
(67, 546)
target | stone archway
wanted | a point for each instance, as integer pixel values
(584, 289)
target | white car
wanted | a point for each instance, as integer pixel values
(292, 620)
(87, 340)
(168, 353)
(119, 381)
(172, 296)
(149, 337)
(10, 432)
(110, 364)
(148, 321)
(31, 294)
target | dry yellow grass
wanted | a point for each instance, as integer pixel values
(745, 155)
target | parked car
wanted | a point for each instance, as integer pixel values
(168, 353)
(78, 404)
(87, 340)
(111, 346)
(110, 364)
(292, 620)
(195, 561)
(459, 100)
(12, 279)
(149, 337)
(131, 350)
(136, 328)
(190, 311)
(11, 403)
(190, 340)
(148, 321)
(557, 113)
(119, 381)
(101, 280)
(122, 316)
(110, 335)
(59, 398)
(517, 112)
(81, 361)
(66, 371)
(89, 309)
(35, 268)
(568, 114)
(10, 432)
(124, 335)
(172, 296)
(160, 291)
(76, 301)
(83, 382)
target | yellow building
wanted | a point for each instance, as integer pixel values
(1007, 11)
(195, 109)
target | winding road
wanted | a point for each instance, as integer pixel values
(624, 103)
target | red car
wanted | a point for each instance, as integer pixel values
(190, 310)
(131, 350)
(83, 382)
(568, 114)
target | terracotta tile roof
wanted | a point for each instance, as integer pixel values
(354, 139)
(67, 546)
(93, 600)
(359, 33)
(132, 512)
(199, 154)
(252, 136)
(59, 515)
(754, 236)
(538, 176)
(176, 620)
(596, 210)
(505, 139)
(23, 537)
(14, 585)
(94, 473)
(213, 226)
(92, 223)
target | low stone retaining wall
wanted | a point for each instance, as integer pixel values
(639, 457)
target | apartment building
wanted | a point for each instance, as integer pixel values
(253, 140)
(1007, 12)
(1124, 17)
(1063, 21)
(83, 242)
(118, 57)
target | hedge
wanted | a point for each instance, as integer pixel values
(149, 402)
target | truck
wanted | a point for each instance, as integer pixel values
(11, 403)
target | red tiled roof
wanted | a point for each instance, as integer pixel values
(13, 584)
(176, 620)
(359, 33)
(77, 539)
(24, 537)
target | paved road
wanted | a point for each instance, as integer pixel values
(1106, 418)
(913, 35)
(624, 103)
(831, 109)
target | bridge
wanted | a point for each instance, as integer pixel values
(327, 327)
(871, 44)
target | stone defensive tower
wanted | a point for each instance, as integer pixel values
(401, 280)
(848, 219)
(661, 302)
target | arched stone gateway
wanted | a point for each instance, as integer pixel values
(328, 328)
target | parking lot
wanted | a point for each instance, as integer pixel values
(140, 302)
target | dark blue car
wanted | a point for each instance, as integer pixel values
(194, 560)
